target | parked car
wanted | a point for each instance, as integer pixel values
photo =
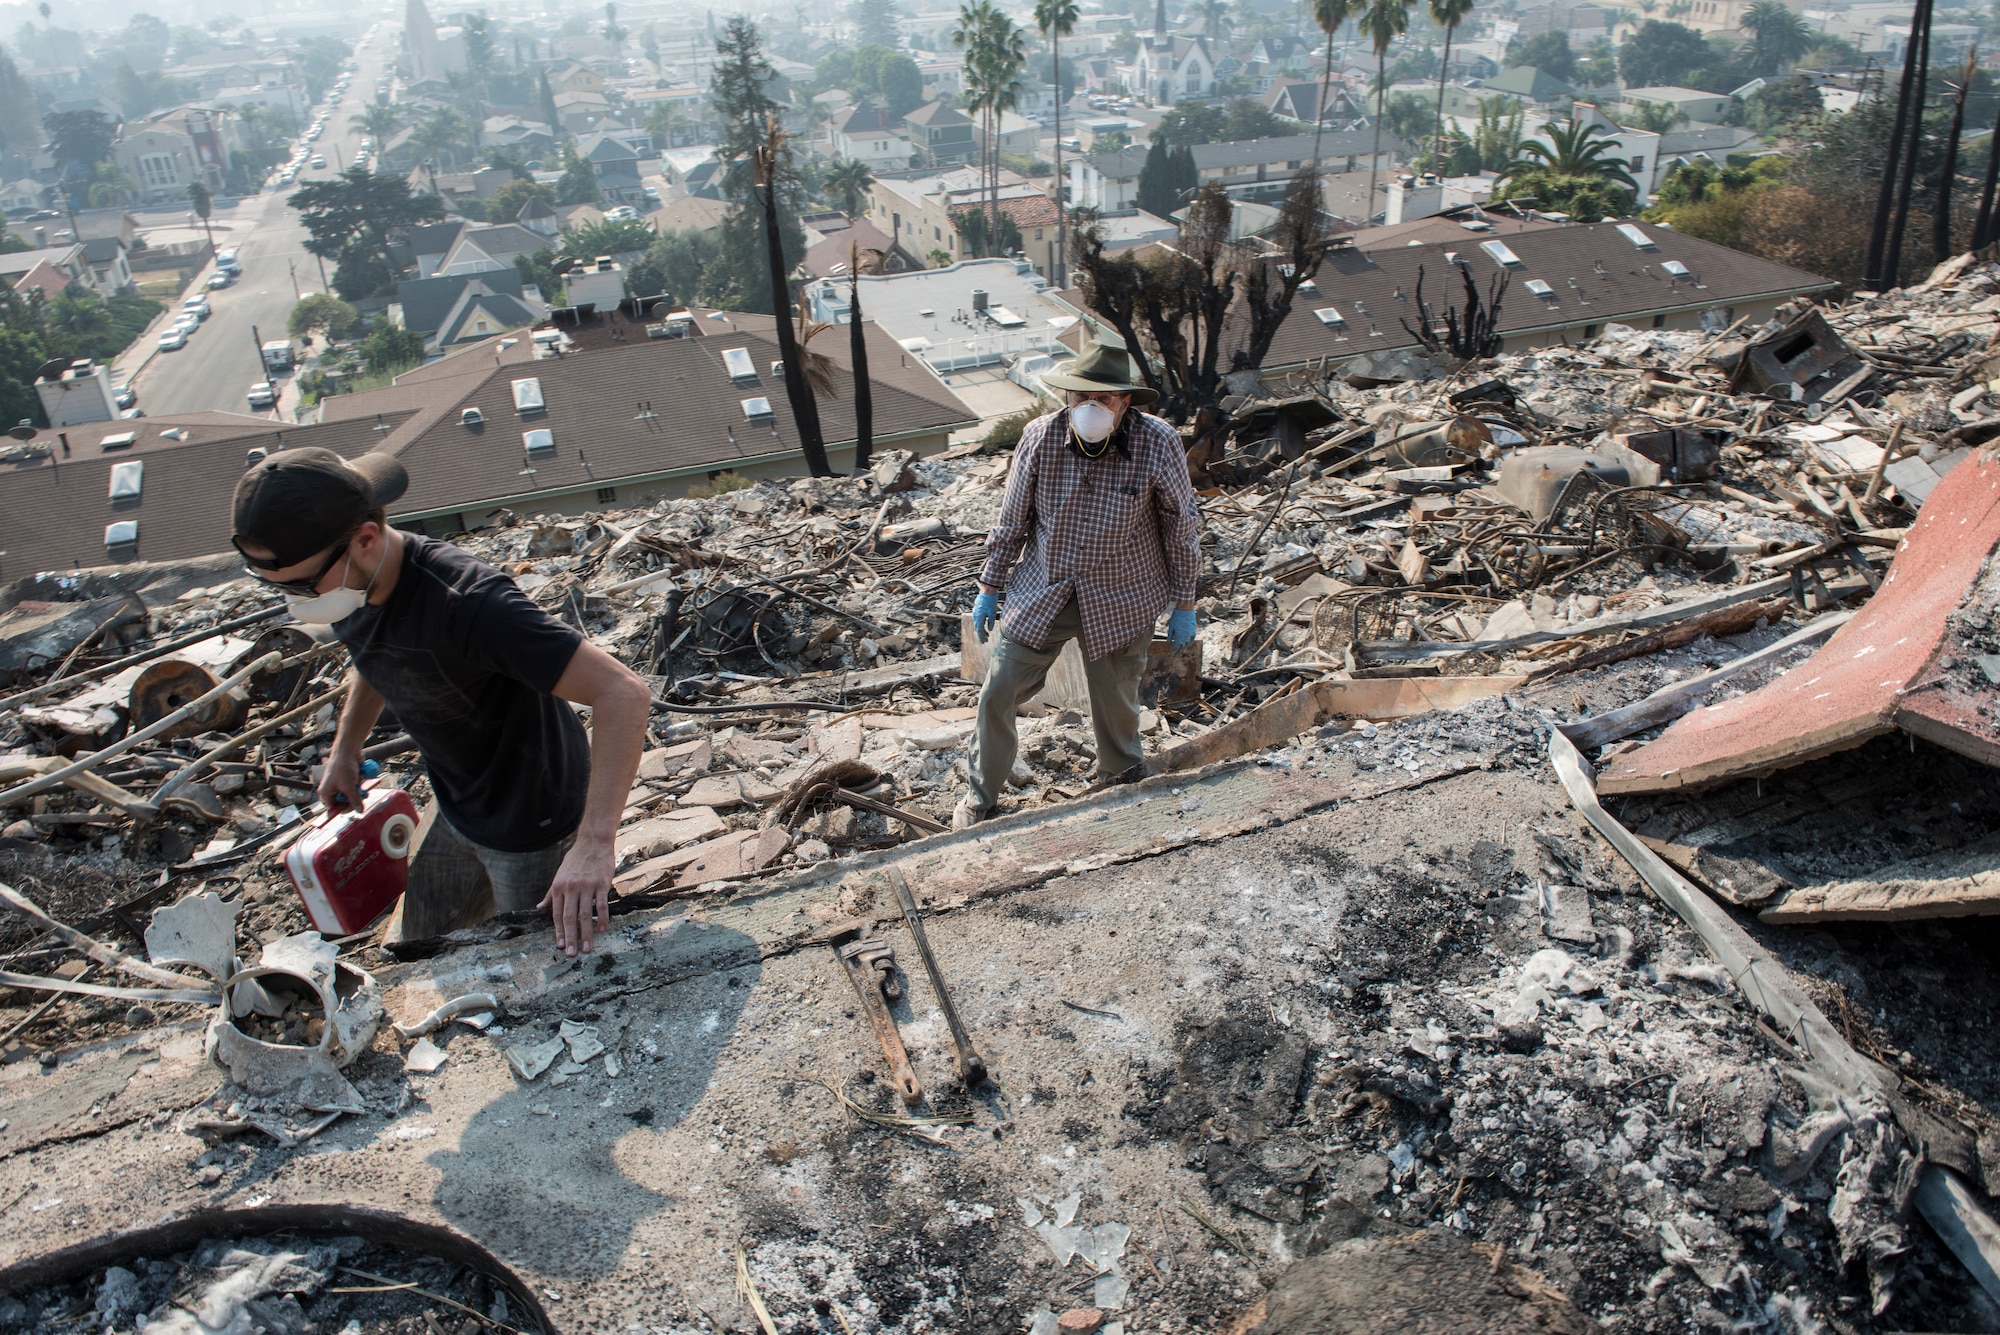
(174, 339)
(221, 278)
(125, 396)
(199, 305)
(187, 321)
(262, 395)
(319, 159)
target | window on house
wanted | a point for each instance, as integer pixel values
(606, 495)
(1660, 321)
(1639, 164)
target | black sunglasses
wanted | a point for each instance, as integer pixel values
(303, 586)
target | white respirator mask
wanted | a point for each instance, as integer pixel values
(334, 605)
(1092, 421)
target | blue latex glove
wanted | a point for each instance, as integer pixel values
(1180, 627)
(985, 615)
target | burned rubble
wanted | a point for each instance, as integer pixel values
(1361, 974)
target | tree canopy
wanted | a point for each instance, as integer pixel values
(873, 70)
(351, 218)
(608, 236)
(1661, 55)
(1549, 52)
(1212, 123)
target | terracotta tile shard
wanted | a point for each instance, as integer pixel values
(1894, 665)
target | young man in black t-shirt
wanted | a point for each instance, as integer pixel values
(476, 674)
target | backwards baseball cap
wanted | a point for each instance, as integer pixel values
(298, 502)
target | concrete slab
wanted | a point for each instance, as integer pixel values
(1879, 671)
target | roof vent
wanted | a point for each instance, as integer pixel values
(1331, 317)
(1632, 232)
(127, 478)
(604, 264)
(472, 417)
(1477, 225)
(757, 409)
(124, 533)
(1453, 257)
(539, 441)
(528, 397)
(256, 455)
(1539, 288)
(120, 440)
(738, 362)
(1498, 252)
(1308, 286)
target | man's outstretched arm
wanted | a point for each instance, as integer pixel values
(579, 899)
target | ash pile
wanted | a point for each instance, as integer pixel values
(1570, 562)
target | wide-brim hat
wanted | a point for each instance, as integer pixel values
(1105, 363)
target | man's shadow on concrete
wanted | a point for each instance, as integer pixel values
(536, 1177)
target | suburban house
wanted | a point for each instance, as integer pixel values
(1581, 21)
(573, 76)
(1249, 169)
(110, 272)
(1526, 84)
(1706, 108)
(23, 196)
(580, 113)
(429, 304)
(1301, 100)
(941, 135)
(617, 164)
(56, 267)
(868, 133)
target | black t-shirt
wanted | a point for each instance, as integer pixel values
(467, 662)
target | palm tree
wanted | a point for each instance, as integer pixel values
(443, 131)
(612, 32)
(995, 54)
(1574, 149)
(1447, 14)
(848, 180)
(1329, 15)
(1057, 20)
(857, 352)
(1214, 15)
(377, 122)
(1780, 36)
(663, 120)
(1383, 21)
(203, 204)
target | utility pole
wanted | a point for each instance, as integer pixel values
(263, 371)
(322, 272)
(296, 294)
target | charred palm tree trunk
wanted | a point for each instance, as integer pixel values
(798, 390)
(1982, 227)
(1885, 196)
(1919, 91)
(1941, 221)
(857, 346)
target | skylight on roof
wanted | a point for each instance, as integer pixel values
(756, 408)
(1677, 269)
(528, 396)
(1498, 252)
(119, 440)
(739, 364)
(1539, 288)
(127, 478)
(1631, 232)
(124, 533)
(1331, 317)
(539, 441)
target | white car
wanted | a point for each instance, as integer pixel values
(287, 176)
(262, 395)
(174, 339)
(218, 280)
(319, 159)
(367, 145)
(198, 307)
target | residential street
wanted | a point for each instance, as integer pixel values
(217, 367)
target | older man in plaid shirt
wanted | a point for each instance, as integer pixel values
(1100, 517)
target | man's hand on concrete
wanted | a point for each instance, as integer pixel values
(340, 781)
(985, 615)
(579, 899)
(1180, 627)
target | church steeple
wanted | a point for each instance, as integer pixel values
(1159, 18)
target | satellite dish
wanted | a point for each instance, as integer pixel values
(52, 370)
(24, 430)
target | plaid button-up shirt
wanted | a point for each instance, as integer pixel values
(1120, 533)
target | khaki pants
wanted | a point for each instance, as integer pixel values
(1015, 672)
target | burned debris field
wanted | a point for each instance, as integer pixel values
(1558, 898)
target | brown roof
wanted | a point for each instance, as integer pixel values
(56, 510)
(832, 251)
(593, 402)
(53, 513)
(1447, 229)
(1375, 290)
(1025, 210)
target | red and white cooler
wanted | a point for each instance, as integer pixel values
(352, 865)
